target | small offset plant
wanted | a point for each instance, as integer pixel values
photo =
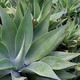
(69, 6)
(8, 7)
(63, 9)
(27, 53)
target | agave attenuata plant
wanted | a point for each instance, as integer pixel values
(26, 51)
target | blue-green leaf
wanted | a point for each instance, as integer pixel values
(41, 69)
(46, 8)
(5, 64)
(56, 63)
(16, 76)
(45, 44)
(64, 55)
(19, 61)
(56, 16)
(3, 73)
(65, 75)
(8, 32)
(42, 27)
(36, 9)
(4, 52)
(18, 16)
(27, 29)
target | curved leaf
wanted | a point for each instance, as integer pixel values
(46, 8)
(36, 9)
(56, 16)
(4, 53)
(5, 64)
(19, 61)
(56, 63)
(42, 27)
(8, 32)
(18, 16)
(41, 69)
(44, 45)
(65, 75)
(4, 73)
(64, 55)
(20, 78)
(27, 29)
(23, 7)
(16, 76)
